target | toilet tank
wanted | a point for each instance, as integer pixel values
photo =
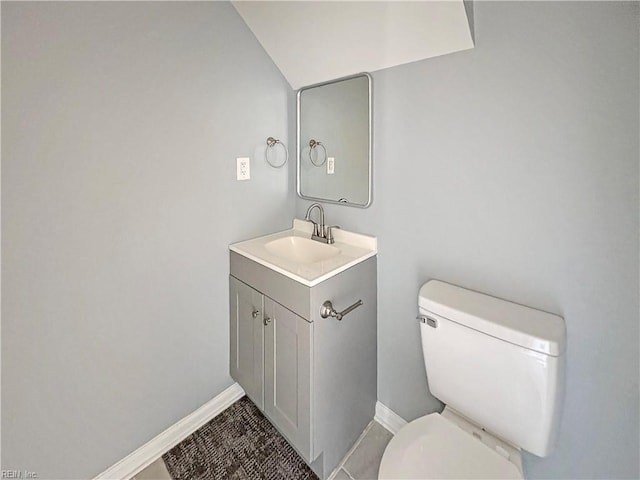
(497, 363)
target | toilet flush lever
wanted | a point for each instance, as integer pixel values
(327, 310)
(432, 322)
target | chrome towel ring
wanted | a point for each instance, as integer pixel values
(312, 146)
(272, 142)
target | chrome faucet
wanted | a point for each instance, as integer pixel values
(318, 229)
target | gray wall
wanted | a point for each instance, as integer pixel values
(120, 127)
(512, 169)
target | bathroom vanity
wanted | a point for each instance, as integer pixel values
(313, 377)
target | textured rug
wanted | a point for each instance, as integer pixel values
(240, 443)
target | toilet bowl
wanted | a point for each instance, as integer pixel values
(499, 369)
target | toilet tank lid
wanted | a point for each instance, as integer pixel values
(525, 326)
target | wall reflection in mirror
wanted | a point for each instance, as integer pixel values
(334, 141)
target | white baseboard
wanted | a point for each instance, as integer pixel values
(388, 418)
(154, 448)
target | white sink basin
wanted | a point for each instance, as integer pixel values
(293, 253)
(301, 250)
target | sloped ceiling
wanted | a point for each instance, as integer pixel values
(312, 42)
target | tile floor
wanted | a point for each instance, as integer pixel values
(361, 464)
(155, 471)
(364, 460)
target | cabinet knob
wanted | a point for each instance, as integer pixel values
(266, 321)
(255, 313)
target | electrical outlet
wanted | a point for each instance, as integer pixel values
(331, 165)
(243, 168)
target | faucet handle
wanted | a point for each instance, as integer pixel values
(315, 228)
(329, 234)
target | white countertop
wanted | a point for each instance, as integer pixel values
(354, 248)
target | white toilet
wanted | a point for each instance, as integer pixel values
(499, 369)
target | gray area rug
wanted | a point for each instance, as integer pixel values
(240, 443)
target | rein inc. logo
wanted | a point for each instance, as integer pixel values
(18, 474)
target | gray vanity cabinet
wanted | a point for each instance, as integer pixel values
(271, 359)
(314, 378)
(287, 373)
(247, 333)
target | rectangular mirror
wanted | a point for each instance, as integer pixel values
(334, 141)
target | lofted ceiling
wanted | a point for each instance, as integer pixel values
(312, 42)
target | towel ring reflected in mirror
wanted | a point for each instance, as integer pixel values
(271, 143)
(313, 145)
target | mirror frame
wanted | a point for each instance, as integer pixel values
(370, 142)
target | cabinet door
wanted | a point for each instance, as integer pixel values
(288, 356)
(246, 308)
